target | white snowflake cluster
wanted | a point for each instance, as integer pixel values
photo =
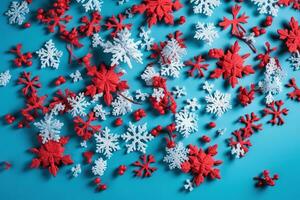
(76, 76)
(99, 167)
(189, 185)
(186, 122)
(121, 104)
(139, 95)
(206, 32)
(176, 156)
(91, 5)
(148, 74)
(137, 137)
(78, 104)
(269, 7)
(147, 40)
(5, 78)
(237, 151)
(17, 12)
(100, 112)
(205, 7)
(295, 60)
(179, 91)
(49, 55)
(192, 104)
(76, 170)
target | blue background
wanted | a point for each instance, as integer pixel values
(274, 148)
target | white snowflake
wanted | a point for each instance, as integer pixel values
(205, 7)
(176, 156)
(139, 95)
(206, 32)
(97, 97)
(83, 144)
(186, 122)
(237, 150)
(121, 2)
(179, 91)
(208, 87)
(106, 143)
(49, 55)
(128, 13)
(192, 104)
(97, 41)
(221, 131)
(100, 112)
(147, 40)
(295, 60)
(17, 12)
(189, 185)
(122, 48)
(58, 108)
(148, 74)
(267, 6)
(218, 103)
(158, 94)
(171, 69)
(49, 128)
(91, 5)
(78, 104)
(136, 138)
(76, 76)
(76, 170)
(5, 78)
(99, 167)
(122, 104)
(250, 38)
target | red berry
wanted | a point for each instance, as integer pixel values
(205, 139)
(27, 25)
(118, 121)
(102, 187)
(212, 125)
(97, 180)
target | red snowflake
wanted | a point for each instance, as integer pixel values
(231, 64)
(245, 96)
(265, 57)
(22, 58)
(90, 26)
(239, 139)
(296, 93)
(63, 99)
(265, 179)
(250, 127)
(51, 155)
(71, 37)
(116, 23)
(276, 111)
(104, 80)
(295, 3)
(291, 36)
(196, 66)
(30, 85)
(157, 10)
(83, 128)
(145, 170)
(201, 164)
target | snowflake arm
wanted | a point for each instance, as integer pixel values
(139, 95)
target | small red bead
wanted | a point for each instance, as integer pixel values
(205, 139)
(212, 125)
(118, 121)
(27, 25)
(97, 180)
(181, 20)
(102, 187)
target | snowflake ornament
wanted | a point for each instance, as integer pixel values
(145, 170)
(295, 60)
(83, 144)
(186, 122)
(239, 144)
(179, 91)
(192, 104)
(122, 104)
(208, 87)
(205, 7)
(147, 40)
(78, 105)
(237, 151)
(158, 94)
(139, 95)
(176, 156)
(148, 74)
(76, 76)
(269, 7)
(49, 55)
(91, 5)
(100, 112)
(99, 167)
(17, 12)
(196, 66)
(136, 138)
(291, 36)
(276, 111)
(5, 78)
(189, 185)
(296, 93)
(76, 170)
(218, 103)
(206, 32)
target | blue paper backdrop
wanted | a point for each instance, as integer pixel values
(274, 148)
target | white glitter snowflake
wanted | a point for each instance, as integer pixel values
(99, 167)
(106, 143)
(205, 7)
(267, 6)
(136, 138)
(189, 185)
(123, 48)
(49, 55)
(237, 150)
(186, 122)
(91, 5)
(147, 40)
(158, 94)
(206, 32)
(76, 170)
(76, 76)
(58, 108)
(78, 104)
(171, 69)
(97, 97)
(148, 74)
(179, 91)
(208, 87)
(49, 128)
(176, 156)
(5, 78)
(218, 103)
(100, 112)
(192, 104)
(122, 105)
(97, 41)
(295, 60)
(139, 95)
(17, 12)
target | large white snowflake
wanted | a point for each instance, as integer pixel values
(78, 104)
(136, 138)
(267, 6)
(5, 78)
(295, 60)
(123, 48)
(217, 103)
(206, 32)
(205, 7)
(49, 55)
(49, 128)
(179, 91)
(100, 112)
(91, 5)
(186, 122)
(122, 104)
(148, 74)
(106, 143)
(17, 12)
(176, 156)
(99, 167)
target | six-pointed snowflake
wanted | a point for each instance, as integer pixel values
(176, 156)
(99, 167)
(218, 103)
(192, 104)
(76, 76)
(78, 105)
(5, 78)
(179, 91)
(206, 32)
(17, 12)
(100, 112)
(205, 7)
(76, 170)
(267, 6)
(122, 104)
(186, 122)
(91, 5)
(49, 55)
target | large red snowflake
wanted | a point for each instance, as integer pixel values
(275, 109)
(231, 64)
(201, 164)
(145, 170)
(296, 93)
(250, 127)
(85, 129)
(291, 36)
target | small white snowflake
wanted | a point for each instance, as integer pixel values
(106, 143)
(122, 104)
(91, 5)
(49, 55)
(186, 122)
(83, 144)
(237, 150)
(176, 156)
(121, 2)
(171, 69)
(128, 13)
(97, 97)
(136, 138)
(295, 60)
(97, 41)
(192, 104)
(5, 78)
(158, 94)
(179, 91)
(267, 6)
(58, 108)
(17, 12)
(218, 103)
(206, 32)
(208, 87)
(147, 40)
(139, 95)
(49, 128)
(100, 112)
(76, 76)
(76, 170)
(99, 167)
(78, 104)
(250, 38)
(205, 7)
(221, 131)
(148, 74)
(189, 185)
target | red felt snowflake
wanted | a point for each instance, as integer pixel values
(295, 3)
(196, 66)
(231, 64)
(291, 36)
(245, 96)
(71, 37)
(116, 23)
(265, 179)
(30, 85)
(275, 109)
(201, 164)
(51, 155)
(104, 80)
(145, 170)
(296, 93)
(85, 129)
(22, 58)
(63, 99)
(265, 57)
(90, 26)
(250, 127)
(239, 139)
(157, 10)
